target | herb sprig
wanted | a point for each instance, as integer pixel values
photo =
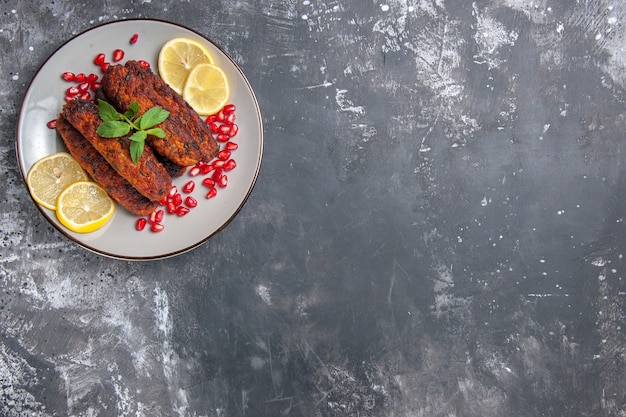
(118, 124)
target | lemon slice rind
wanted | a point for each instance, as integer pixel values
(84, 207)
(178, 57)
(206, 89)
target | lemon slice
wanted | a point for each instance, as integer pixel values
(206, 89)
(178, 57)
(50, 175)
(84, 207)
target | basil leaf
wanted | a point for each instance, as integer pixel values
(113, 129)
(138, 136)
(153, 117)
(136, 149)
(107, 112)
(157, 131)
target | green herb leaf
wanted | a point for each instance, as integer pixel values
(107, 112)
(138, 136)
(156, 131)
(134, 108)
(136, 149)
(153, 117)
(113, 129)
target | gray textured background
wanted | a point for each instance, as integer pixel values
(437, 228)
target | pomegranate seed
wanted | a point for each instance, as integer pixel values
(225, 129)
(141, 224)
(68, 76)
(177, 200)
(156, 216)
(99, 59)
(217, 174)
(134, 38)
(70, 98)
(82, 87)
(105, 66)
(218, 163)
(220, 116)
(95, 86)
(194, 171)
(223, 137)
(162, 201)
(208, 182)
(230, 165)
(171, 208)
(205, 169)
(52, 124)
(156, 227)
(143, 63)
(191, 202)
(222, 181)
(188, 187)
(80, 78)
(230, 119)
(92, 78)
(224, 154)
(181, 210)
(212, 193)
(173, 191)
(85, 95)
(118, 55)
(229, 108)
(72, 91)
(210, 119)
(231, 146)
(233, 131)
(214, 127)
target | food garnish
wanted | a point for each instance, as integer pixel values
(118, 124)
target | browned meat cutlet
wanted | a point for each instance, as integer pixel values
(188, 138)
(102, 172)
(148, 176)
(173, 169)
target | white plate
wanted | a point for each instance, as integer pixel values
(119, 239)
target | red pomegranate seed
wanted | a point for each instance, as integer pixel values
(68, 76)
(80, 78)
(188, 187)
(233, 131)
(134, 38)
(70, 98)
(209, 182)
(229, 108)
(171, 208)
(143, 63)
(177, 200)
(212, 193)
(92, 78)
(194, 171)
(225, 129)
(217, 174)
(105, 66)
(72, 91)
(230, 165)
(210, 119)
(156, 227)
(214, 127)
(218, 163)
(230, 119)
(173, 191)
(181, 210)
(95, 86)
(205, 169)
(156, 216)
(99, 59)
(52, 124)
(85, 95)
(224, 154)
(82, 87)
(231, 146)
(223, 137)
(220, 116)
(141, 224)
(191, 202)
(118, 55)
(222, 181)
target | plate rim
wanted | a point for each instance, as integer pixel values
(168, 254)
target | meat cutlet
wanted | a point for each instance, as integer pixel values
(188, 138)
(102, 172)
(147, 176)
